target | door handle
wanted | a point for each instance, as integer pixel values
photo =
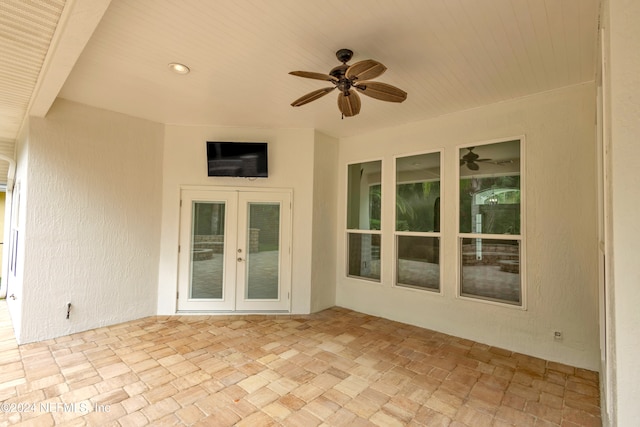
(240, 259)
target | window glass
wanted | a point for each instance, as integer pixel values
(491, 270)
(417, 221)
(364, 255)
(418, 193)
(490, 204)
(364, 196)
(418, 262)
(490, 188)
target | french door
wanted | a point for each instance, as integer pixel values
(234, 251)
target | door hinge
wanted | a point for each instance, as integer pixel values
(180, 202)
(178, 248)
(178, 295)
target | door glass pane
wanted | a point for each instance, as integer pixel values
(490, 188)
(364, 255)
(263, 249)
(364, 196)
(491, 270)
(207, 249)
(418, 262)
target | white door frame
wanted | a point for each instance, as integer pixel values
(187, 200)
(232, 300)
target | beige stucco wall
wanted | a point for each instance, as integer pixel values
(560, 227)
(324, 222)
(622, 131)
(89, 188)
(291, 166)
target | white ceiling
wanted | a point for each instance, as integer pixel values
(449, 55)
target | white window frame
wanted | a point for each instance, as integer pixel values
(397, 233)
(520, 237)
(349, 231)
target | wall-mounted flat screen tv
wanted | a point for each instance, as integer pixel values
(239, 159)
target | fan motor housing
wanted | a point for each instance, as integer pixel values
(339, 71)
(343, 83)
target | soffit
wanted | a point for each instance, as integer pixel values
(26, 30)
(40, 41)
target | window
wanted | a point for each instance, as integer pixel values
(417, 225)
(364, 201)
(489, 238)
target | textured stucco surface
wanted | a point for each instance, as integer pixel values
(91, 207)
(325, 182)
(560, 227)
(290, 167)
(623, 85)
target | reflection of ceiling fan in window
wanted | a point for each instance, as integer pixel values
(471, 159)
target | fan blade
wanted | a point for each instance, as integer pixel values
(349, 104)
(365, 70)
(472, 166)
(381, 91)
(312, 96)
(312, 75)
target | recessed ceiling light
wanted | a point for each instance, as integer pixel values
(178, 68)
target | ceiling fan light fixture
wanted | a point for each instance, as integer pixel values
(179, 68)
(350, 79)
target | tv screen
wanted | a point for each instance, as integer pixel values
(240, 159)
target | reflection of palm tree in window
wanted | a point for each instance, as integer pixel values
(375, 203)
(417, 205)
(416, 208)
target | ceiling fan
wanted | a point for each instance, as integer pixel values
(348, 77)
(471, 159)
